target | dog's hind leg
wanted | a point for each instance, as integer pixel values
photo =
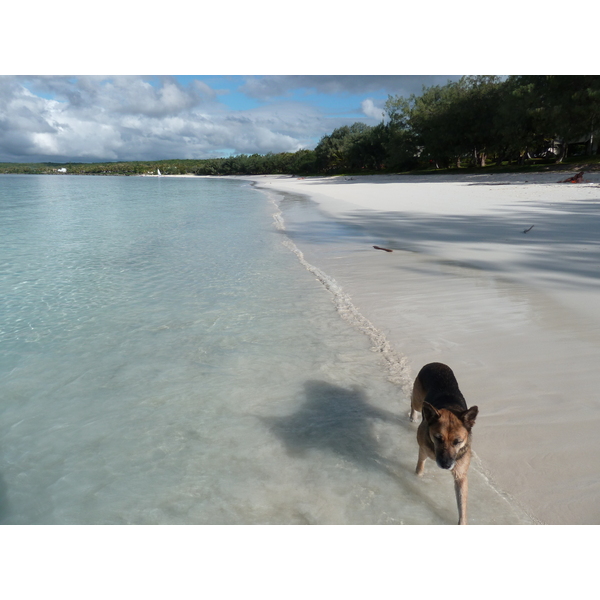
(416, 400)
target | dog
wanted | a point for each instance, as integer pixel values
(444, 434)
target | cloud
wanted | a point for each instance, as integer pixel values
(123, 94)
(97, 118)
(63, 119)
(274, 86)
(370, 110)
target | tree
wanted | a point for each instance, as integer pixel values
(447, 123)
(304, 161)
(333, 152)
(366, 149)
(562, 107)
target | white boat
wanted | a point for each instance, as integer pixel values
(158, 173)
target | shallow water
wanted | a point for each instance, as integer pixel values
(165, 358)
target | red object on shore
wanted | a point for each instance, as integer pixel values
(575, 179)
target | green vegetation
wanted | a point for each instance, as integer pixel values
(302, 161)
(481, 122)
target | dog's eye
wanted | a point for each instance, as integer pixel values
(457, 442)
(439, 437)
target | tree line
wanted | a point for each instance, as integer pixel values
(473, 122)
(301, 161)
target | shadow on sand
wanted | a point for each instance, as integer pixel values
(570, 228)
(472, 178)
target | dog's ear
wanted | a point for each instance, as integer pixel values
(430, 414)
(469, 416)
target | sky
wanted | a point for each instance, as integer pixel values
(201, 80)
(89, 118)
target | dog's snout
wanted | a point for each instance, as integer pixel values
(445, 462)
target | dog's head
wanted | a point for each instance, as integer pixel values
(449, 432)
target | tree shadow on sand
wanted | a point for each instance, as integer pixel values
(570, 229)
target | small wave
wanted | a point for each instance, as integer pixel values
(399, 372)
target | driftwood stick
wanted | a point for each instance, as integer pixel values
(384, 249)
(526, 230)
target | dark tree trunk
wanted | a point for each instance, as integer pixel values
(563, 152)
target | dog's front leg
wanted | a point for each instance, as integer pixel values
(461, 489)
(421, 461)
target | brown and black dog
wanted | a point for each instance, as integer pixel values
(444, 434)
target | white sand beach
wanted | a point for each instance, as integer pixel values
(499, 277)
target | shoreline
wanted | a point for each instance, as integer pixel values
(512, 312)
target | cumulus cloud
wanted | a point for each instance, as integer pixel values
(371, 110)
(64, 119)
(95, 118)
(122, 94)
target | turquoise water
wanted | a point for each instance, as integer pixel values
(167, 356)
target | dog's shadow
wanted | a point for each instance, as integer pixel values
(340, 420)
(336, 419)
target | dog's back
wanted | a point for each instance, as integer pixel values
(440, 388)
